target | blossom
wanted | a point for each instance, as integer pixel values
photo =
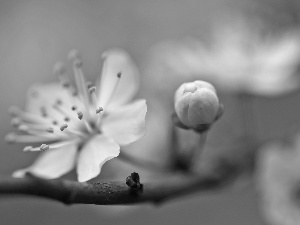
(83, 126)
(196, 103)
(278, 182)
(239, 59)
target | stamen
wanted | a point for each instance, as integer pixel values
(15, 122)
(32, 118)
(27, 148)
(87, 125)
(100, 109)
(10, 138)
(23, 128)
(44, 147)
(77, 133)
(74, 56)
(74, 107)
(15, 138)
(59, 102)
(37, 130)
(50, 130)
(14, 111)
(44, 111)
(92, 91)
(59, 69)
(89, 84)
(114, 89)
(63, 127)
(80, 115)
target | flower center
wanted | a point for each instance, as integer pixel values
(74, 117)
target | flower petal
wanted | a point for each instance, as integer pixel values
(52, 163)
(93, 155)
(117, 61)
(42, 98)
(127, 124)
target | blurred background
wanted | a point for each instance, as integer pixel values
(34, 34)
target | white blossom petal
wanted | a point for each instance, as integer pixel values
(93, 155)
(52, 163)
(127, 124)
(117, 61)
(45, 96)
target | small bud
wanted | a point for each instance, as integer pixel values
(196, 103)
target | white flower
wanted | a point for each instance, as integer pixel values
(239, 59)
(85, 126)
(279, 183)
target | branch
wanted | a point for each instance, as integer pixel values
(113, 193)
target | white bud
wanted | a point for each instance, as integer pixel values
(196, 103)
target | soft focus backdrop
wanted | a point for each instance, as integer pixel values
(35, 34)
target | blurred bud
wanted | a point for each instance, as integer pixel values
(196, 103)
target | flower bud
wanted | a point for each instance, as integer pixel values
(196, 103)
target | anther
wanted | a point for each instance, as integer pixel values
(54, 122)
(10, 138)
(15, 122)
(74, 107)
(14, 111)
(63, 127)
(27, 148)
(44, 112)
(75, 93)
(80, 115)
(65, 84)
(44, 147)
(50, 130)
(119, 75)
(34, 94)
(92, 89)
(100, 109)
(67, 119)
(58, 101)
(23, 128)
(78, 63)
(89, 84)
(59, 69)
(74, 55)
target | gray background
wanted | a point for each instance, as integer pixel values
(35, 34)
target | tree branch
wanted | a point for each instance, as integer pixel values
(113, 193)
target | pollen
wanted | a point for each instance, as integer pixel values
(50, 130)
(100, 109)
(44, 147)
(92, 89)
(10, 138)
(80, 115)
(15, 122)
(63, 127)
(23, 128)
